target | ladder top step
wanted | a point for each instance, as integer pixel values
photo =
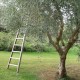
(17, 45)
(13, 65)
(16, 51)
(20, 38)
(14, 58)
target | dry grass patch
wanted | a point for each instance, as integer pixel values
(50, 74)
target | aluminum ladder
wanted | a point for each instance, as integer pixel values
(20, 52)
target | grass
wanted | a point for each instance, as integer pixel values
(38, 66)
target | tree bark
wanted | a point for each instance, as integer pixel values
(62, 69)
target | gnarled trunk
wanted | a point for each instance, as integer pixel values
(62, 68)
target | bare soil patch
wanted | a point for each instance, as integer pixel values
(73, 71)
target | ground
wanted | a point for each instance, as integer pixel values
(38, 66)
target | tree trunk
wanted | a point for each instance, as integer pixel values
(62, 68)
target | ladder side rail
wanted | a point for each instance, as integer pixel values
(12, 49)
(21, 53)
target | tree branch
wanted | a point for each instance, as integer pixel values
(74, 36)
(60, 31)
(72, 39)
(58, 48)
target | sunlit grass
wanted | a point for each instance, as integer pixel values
(32, 64)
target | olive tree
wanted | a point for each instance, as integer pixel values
(60, 10)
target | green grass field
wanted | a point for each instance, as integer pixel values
(38, 66)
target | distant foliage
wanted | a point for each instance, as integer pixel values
(7, 40)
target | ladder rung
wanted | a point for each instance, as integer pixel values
(17, 45)
(16, 51)
(14, 58)
(13, 65)
(19, 38)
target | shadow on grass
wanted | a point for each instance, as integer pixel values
(67, 78)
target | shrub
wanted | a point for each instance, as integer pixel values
(6, 41)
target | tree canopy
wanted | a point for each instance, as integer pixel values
(40, 15)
